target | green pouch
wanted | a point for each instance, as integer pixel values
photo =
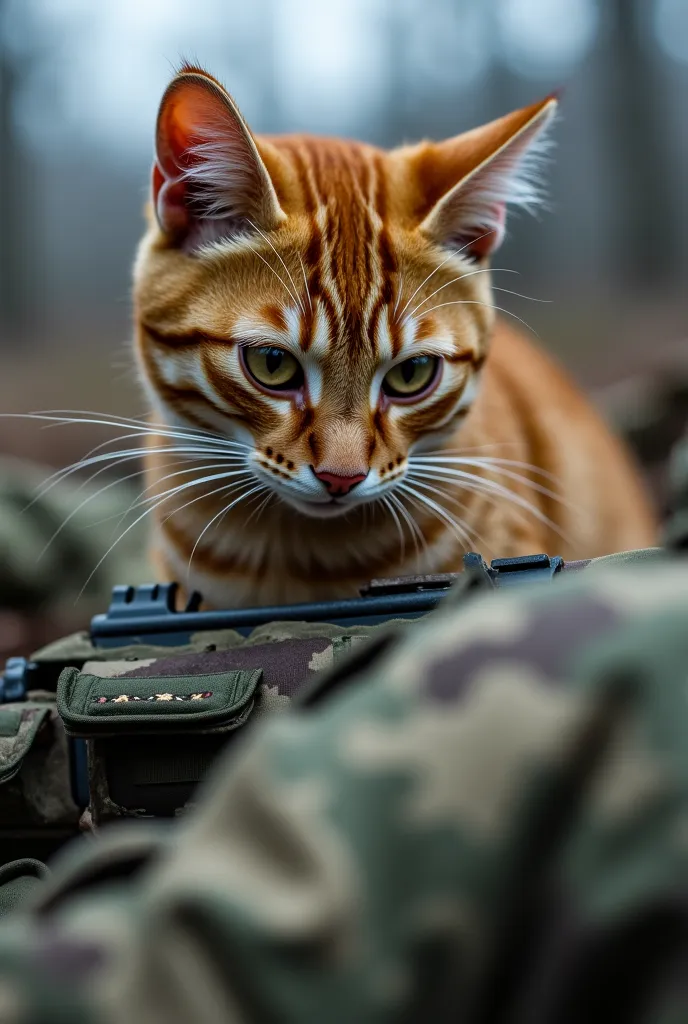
(93, 705)
(19, 880)
(37, 812)
(19, 727)
(150, 740)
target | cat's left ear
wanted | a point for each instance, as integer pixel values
(209, 178)
(467, 183)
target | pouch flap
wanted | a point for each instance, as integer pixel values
(19, 726)
(91, 705)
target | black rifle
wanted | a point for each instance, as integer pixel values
(148, 614)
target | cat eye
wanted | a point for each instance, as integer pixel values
(412, 377)
(273, 368)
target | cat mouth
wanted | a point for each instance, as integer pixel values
(328, 508)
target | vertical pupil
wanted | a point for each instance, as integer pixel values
(408, 369)
(273, 360)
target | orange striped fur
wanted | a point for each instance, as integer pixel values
(344, 262)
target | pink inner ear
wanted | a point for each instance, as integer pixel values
(169, 196)
(485, 240)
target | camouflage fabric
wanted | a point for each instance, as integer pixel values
(271, 674)
(676, 532)
(286, 664)
(79, 648)
(487, 823)
(51, 541)
(35, 781)
(35, 786)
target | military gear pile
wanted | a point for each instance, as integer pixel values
(481, 819)
(477, 813)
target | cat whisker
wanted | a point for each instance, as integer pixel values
(123, 455)
(220, 515)
(279, 278)
(459, 529)
(489, 487)
(386, 503)
(499, 466)
(465, 451)
(200, 453)
(416, 532)
(458, 456)
(305, 281)
(157, 499)
(488, 305)
(257, 512)
(156, 502)
(118, 481)
(520, 295)
(461, 277)
(400, 291)
(139, 503)
(295, 293)
(453, 500)
(60, 417)
(203, 440)
(433, 272)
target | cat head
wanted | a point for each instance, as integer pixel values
(322, 301)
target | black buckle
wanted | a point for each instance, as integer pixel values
(509, 572)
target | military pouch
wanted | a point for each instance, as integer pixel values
(150, 740)
(36, 806)
(19, 727)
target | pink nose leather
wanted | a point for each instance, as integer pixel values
(338, 485)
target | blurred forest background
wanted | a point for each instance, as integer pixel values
(79, 86)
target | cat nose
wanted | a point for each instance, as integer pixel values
(338, 485)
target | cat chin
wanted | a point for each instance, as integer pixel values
(321, 510)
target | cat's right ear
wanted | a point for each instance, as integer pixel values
(209, 179)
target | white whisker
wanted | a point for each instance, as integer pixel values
(433, 272)
(452, 499)
(386, 503)
(461, 277)
(132, 453)
(191, 483)
(439, 510)
(223, 512)
(488, 305)
(263, 505)
(305, 281)
(415, 530)
(158, 501)
(520, 295)
(400, 290)
(96, 494)
(467, 451)
(74, 417)
(479, 484)
(498, 466)
(295, 294)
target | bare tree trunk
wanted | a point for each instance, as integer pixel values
(12, 296)
(645, 232)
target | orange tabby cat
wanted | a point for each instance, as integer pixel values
(313, 320)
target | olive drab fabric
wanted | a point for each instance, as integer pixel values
(488, 823)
